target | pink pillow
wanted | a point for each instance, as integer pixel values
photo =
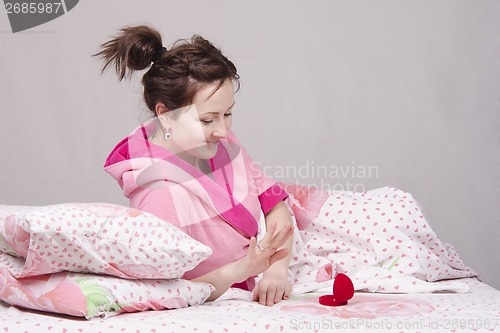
(100, 238)
(90, 295)
(14, 240)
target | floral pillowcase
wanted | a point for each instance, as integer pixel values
(91, 295)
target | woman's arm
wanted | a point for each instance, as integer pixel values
(274, 285)
(255, 262)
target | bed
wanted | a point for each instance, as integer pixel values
(99, 267)
(475, 311)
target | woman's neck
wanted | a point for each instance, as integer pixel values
(158, 138)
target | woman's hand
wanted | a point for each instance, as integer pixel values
(274, 285)
(261, 256)
(255, 262)
(272, 288)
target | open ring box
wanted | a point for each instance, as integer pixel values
(343, 290)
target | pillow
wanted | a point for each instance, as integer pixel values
(380, 238)
(14, 240)
(90, 295)
(100, 238)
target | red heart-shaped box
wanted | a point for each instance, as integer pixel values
(343, 290)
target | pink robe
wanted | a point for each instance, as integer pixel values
(221, 211)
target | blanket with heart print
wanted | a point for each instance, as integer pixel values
(380, 239)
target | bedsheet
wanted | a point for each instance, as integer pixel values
(475, 311)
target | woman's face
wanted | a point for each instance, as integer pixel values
(197, 129)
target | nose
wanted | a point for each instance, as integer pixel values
(220, 131)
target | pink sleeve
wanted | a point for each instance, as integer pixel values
(270, 192)
(271, 197)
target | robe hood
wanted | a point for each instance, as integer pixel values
(139, 165)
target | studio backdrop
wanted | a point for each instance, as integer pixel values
(344, 95)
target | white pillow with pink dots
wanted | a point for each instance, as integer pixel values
(99, 238)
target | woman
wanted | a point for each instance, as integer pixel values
(186, 166)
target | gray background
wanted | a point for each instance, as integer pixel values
(408, 87)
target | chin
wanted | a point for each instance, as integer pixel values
(209, 155)
(205, 153)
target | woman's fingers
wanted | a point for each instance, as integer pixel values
(253, 243)
(270, 292)
(265, 242)
(288, 291)
(280, 292)
(255, 293)
(273, 239)
(281, 237)
(263, 296)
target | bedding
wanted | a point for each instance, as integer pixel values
(92, 295)
(474, 311)
(380, 239)
(96, 238)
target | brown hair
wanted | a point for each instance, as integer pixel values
(176, 74)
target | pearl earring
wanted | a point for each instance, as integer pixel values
(168, 135)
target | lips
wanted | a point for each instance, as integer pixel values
(211, 143)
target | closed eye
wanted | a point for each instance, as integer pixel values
(209, 121)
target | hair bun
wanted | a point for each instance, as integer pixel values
(158, 54)
(132, 49)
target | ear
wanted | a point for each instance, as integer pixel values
(163, 114)
(160, 109)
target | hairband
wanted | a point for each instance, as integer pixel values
(157, 54)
